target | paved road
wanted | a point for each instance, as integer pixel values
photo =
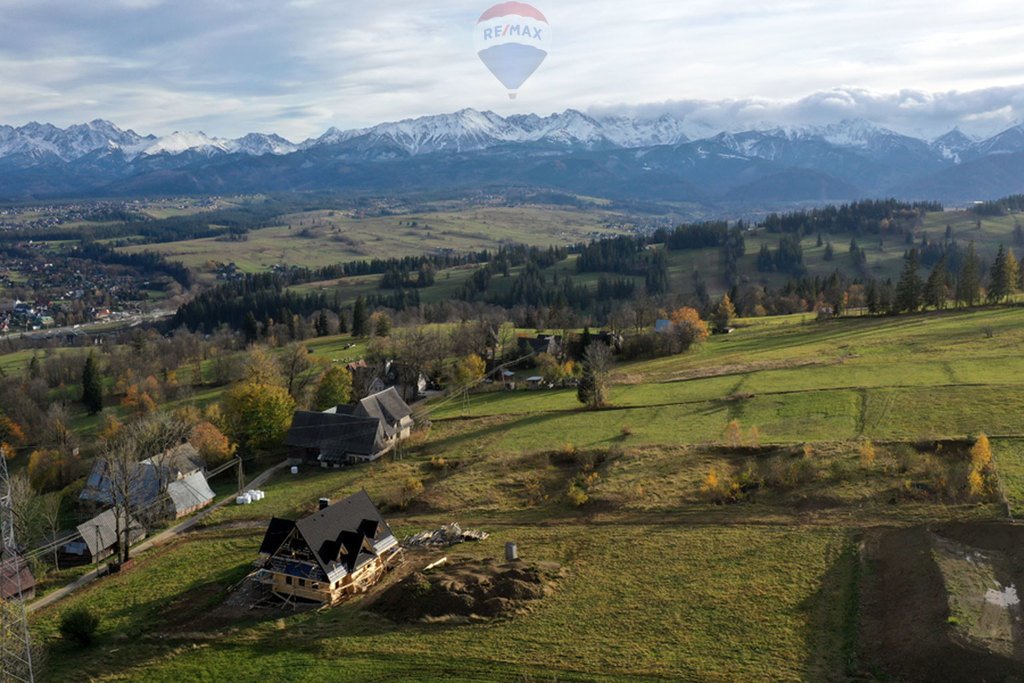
(160, 539)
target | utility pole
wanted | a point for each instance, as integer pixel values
(15, 642)
(241, 476)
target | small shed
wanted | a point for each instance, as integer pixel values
(15, 576)
(535, 382)
(98, 540)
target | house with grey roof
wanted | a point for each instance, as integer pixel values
(388, 407)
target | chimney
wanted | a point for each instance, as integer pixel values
(325, 503)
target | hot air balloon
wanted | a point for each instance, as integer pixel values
(512, 40)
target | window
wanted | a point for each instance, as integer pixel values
(288, 580)
(302, 583)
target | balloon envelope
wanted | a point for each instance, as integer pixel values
(512, 40)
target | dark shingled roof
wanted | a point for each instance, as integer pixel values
(276, 534)
(336, 526)
(344, 525)
(335, 436)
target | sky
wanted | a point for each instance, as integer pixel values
(298, 67)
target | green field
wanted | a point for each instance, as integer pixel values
(662, 583)
(321, 238)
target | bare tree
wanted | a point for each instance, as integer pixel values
(49, 518)
(299, 369)
(152, 436)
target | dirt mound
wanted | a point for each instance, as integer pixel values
(908, 630)
(464, 588)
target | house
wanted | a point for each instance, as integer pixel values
(189, 494)
(334, 439)
(151, 479)
(388, 407)
(98, 540)
(348, 435)
(16, 578)
(550, 344)
(535, 382)
(339, 551)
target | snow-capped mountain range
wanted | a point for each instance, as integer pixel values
(662, 158)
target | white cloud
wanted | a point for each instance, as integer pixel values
(299, 66)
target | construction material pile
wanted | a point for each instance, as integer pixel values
(448, 535)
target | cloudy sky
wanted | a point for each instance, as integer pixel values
(297, 67)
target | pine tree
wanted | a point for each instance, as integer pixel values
(830, 253)
(359, 318)
(1003, 276)
(908, 291)
(92, 386)
(342, 323)
(935, 289)
(968, 287)
(251, 328)
(872, 298)
(323, 328)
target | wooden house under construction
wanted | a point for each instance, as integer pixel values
(339, 551)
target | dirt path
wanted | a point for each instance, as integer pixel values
(160, 539)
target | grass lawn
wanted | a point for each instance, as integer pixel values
(701, 603)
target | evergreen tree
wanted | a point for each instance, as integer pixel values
(251, 328)
(908, 291)
(935, 289)
(342, 323)
(872, 298)
(1003, 276)
(359, 318)
(830, 253)
(323, 328)
(968, 287)
(765, 261)
(92, 386)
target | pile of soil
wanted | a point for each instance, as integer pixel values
(465, 588)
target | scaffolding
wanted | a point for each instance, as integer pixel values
(15, 641)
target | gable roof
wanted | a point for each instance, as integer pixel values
(190, 492)
(179, 461)
(386, 406)
(15, 574)
(344, 526)
(276, 534)
(100, 532)
(336, 435)
(152, 475)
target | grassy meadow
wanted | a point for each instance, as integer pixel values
(321, 238)
(663, 583)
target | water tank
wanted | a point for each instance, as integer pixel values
(511, 552)
(295, 469)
